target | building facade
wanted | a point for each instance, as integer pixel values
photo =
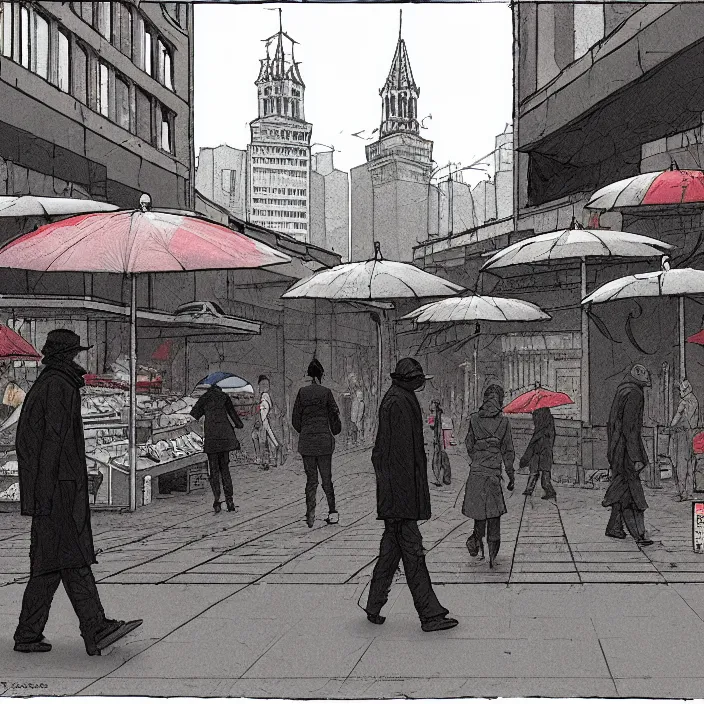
(329, 205)
(278, 156)
(221, 176)
(389, 201)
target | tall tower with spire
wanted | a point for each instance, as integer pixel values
(278, 156)
(390, 192)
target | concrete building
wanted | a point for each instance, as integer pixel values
(221, 177)
(390, 192)
(278, 156)
(329, 205)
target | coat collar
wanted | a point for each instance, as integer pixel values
(72, 371)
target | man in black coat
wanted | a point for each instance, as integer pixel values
(403, 498)
(316, 418)
(220, 440)
(54, 491)
(627, 458)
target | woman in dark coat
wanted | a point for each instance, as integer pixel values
(538, 454)
(316, 418)
(220, 440)
(489, 444)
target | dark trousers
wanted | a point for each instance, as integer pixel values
(545, 482)
(312, 466)
(493, 528)
(80, 586)
(633, 517)
(219, 464)
(402, 541)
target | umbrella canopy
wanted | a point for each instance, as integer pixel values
(577, 243)
(39, 206)
(537, 398)
(14, 347)
(697, 338)
(468, 308)
(654, 189)
(372, 280)
(227, 382)
(163, 351)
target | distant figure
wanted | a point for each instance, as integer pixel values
(357, 416)
(316, 418)
(489, 445)
(220, 440)
(682, 429)
(269, 443)
(403, 498)
(627, 458)
(538, 454)
(53, 479)
(441, 462)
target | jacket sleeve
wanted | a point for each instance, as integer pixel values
(530, 450)
(199, 409)
(334, 415)
(232, 412)
(56, 402)
(383, 437)
(631, 428)
(470, 439)
(507, 452)
(297, 415)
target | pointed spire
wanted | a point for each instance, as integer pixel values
(400, 23)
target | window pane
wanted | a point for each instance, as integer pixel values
(87, 12)
(7, 29)
(122, 103)
(24, 37)
(125, 28)
(144, 116)
(165, 65)
(80, 75)
(165, 131)
(103, 93)
(148, 52)
(63, 63)
(41, 46)
(105, 19)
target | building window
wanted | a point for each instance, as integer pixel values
(103, 92)
(122, 103)
(24, 37)
(40, 43)
(393, 106)
(123, 29)
(63, 73)
(166, 130)
(79, 74)
(165, 65)
(588, 27)
(104, 19)
(144, 116)
(6, 28)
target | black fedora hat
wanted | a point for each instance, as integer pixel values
(408, 369)
(61, 341)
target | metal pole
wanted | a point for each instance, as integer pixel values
(584, 366)
(683, 365)
(380, 360)
(133, 394)
(476, 378)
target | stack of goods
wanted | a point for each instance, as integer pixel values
(166, 450)
(9, 484)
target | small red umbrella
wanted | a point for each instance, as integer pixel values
(163, 351)
(697, 338)
(15, 348)
(698, 444)
(537, 398)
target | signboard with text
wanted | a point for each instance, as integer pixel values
(698, 526)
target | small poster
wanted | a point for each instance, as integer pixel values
(698, 526)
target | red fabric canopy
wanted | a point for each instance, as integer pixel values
(14, 347)
(697, 338)
(163, 351)
(537, 398)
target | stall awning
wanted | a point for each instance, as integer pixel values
(181, 325)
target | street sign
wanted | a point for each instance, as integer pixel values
(698, 526)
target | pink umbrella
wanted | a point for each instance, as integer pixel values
(130, 242)
(537, 398)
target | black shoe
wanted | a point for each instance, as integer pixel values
(217, 507)
(619, 536)
(376, 619)
(442, 623)
(107, 637)
(644, 543)
(527, 493)
(231, 505)
(40, 646)
(549, 496)
(310, 518)
(473, 545)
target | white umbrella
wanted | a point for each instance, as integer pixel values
(40, 206)
(580, 244)
(666, 282)
(468, 308)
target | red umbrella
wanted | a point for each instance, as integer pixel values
(697, 338)
(698, 444)
(131, 242)
(14, 347)
(163, 351)
(537, 398)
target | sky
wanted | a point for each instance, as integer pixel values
(460, 55)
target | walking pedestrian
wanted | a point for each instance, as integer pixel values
(316, 418)
(682, 430)
(538, 454)
(220, 440)
(53, 478)
(627, 458)
(489, 445)
(269, 443)
(403, 499)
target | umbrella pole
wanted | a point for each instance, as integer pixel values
(133, 393)
(584, 380)
(683, 364)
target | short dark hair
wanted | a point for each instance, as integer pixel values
(263, 377)
(315, 370)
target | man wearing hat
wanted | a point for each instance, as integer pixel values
(403, 499)
(54, 491)
(682, 429)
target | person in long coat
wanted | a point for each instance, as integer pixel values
(683, 428)
(403, 499)
(489, 446)
(316, 418)
(220, 440)
(538, 454)
(627, 458)
(53, 478)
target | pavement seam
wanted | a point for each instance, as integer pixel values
(569, 547)
(606, 662)
(515, 545)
